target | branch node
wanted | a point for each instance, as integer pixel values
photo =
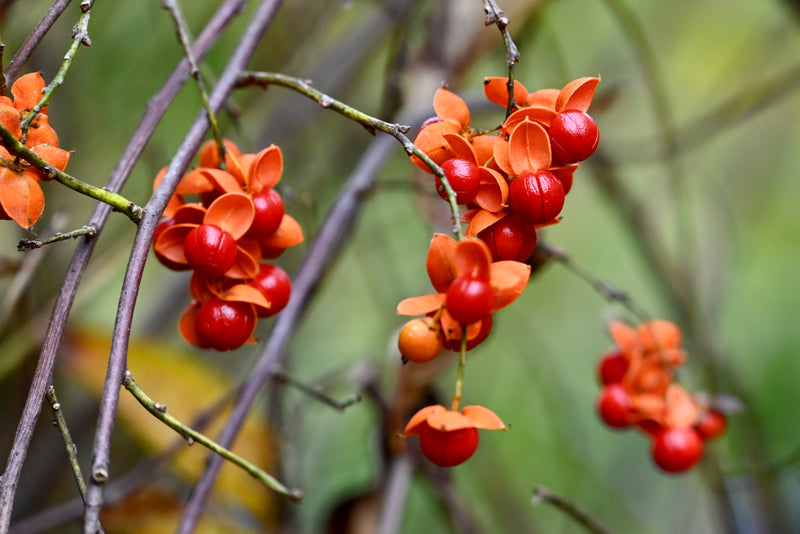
(100, 475)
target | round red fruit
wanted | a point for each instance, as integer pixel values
(464, 177)
(469, 299)
(275, 285)
(677, 449)
(614, 406)
(210, 249)
(448, 448)
(537, 197)
(712, 424)
(510, 238)
(224, 325)
(573, 136)
(268, 215)
(612, 367)
(419, 340)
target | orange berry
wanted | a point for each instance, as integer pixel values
(419, 340)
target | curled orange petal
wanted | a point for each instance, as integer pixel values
(431, 141)
(450, 106)
(21, 198)
(529, 147)
(266, 170)
(482, 417)
(440, 262)
(55, 156)
(27, 91)
(483, 220)
(508, 279)
(545, 98)
(245, 293)
(288, 234)
(190, 212)
(9, 118)
(682, 410)
(420, 418)
(41, 133)
(449, 420)
(170, 242)
(492, 191)
(222, 180)
(577, 94)
(460, 147)
(186, 326)
(473, 258)
(247, 260)
(421, 305)
(209, 152)
(659, 335)
(201, 288)
(232, 212)
(501, 152)
(496, 90)
(483, 146)
(624, 336)
(534, 114)
(194, 182)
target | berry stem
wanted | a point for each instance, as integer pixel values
(192, 436)
(495, 15)
(118, 202)
(72, 450)
(462, 363)
(28, 244)
(80, 36)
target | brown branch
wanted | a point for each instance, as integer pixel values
(589, 523)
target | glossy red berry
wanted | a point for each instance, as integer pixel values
(275, 285)
(712, 424)
(419, 340)
(614, 406)
(573, 136)
(225, 325)
(464, 178)
(612, 367)
(268, 215)
(510, 238)
(565, 176)
(469, 299)
(677, 449)
(210, 249)
(537, 197)
(448, 448)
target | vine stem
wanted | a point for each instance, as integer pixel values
(496, 16)
(159, 411)
(117, 363)
(462, 364)
(16, 148)
(588, 522)
(156, 108)
(30, 244)
(80, 36)
(372, 125)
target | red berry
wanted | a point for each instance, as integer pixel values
(275, 285)
(447, 449)
(225, 325)
(269, 214)
(677, 449)
(210, 249)
(612, 367)
(419, 340)
(565, 176)
(464, 178)
(469, 299)
(536, 196)
(573, 136)
(614, 406)
(510, 238)
(712, 424)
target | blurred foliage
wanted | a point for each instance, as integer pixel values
(724, 206)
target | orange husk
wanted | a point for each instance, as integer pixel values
(421, 305)
(209, 153)
(460, 147)
(9, 118)
(21, 197)
(170, 243)
(431, 141)
(245, 293)
(288, 234)
(222, 180)
(247, 260)
(483, 146)
(232, 212)
(473, 258)
(538, 114)
(529, 147)
(577, 94)
(449, 421)
(27, 91)
(545, 98)
(508, 280)
(450, 106)
(496, 90)
(492, 191)
(440, 262)
(421, 418)
(53, 155)
(482, 220)
(190, 212)
(194, 182)
(186, 326)
(266, 169)
(482, 417)
(501, 152)
(41, 133)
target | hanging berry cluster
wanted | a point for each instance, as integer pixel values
(21, 196)
(639, 391)
(511, 183)
(222, 221)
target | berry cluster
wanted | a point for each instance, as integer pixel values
(21, 196)
(516, 180)
(639, 391)
(221, 223)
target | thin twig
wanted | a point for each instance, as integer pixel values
(101, 450)
(33, 40)
(193, 436)
(496, 16)
(372, 124)
(156, 108)
(589, 523)
(30, 244)
(283, 378)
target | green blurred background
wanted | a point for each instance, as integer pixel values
(698, 110)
